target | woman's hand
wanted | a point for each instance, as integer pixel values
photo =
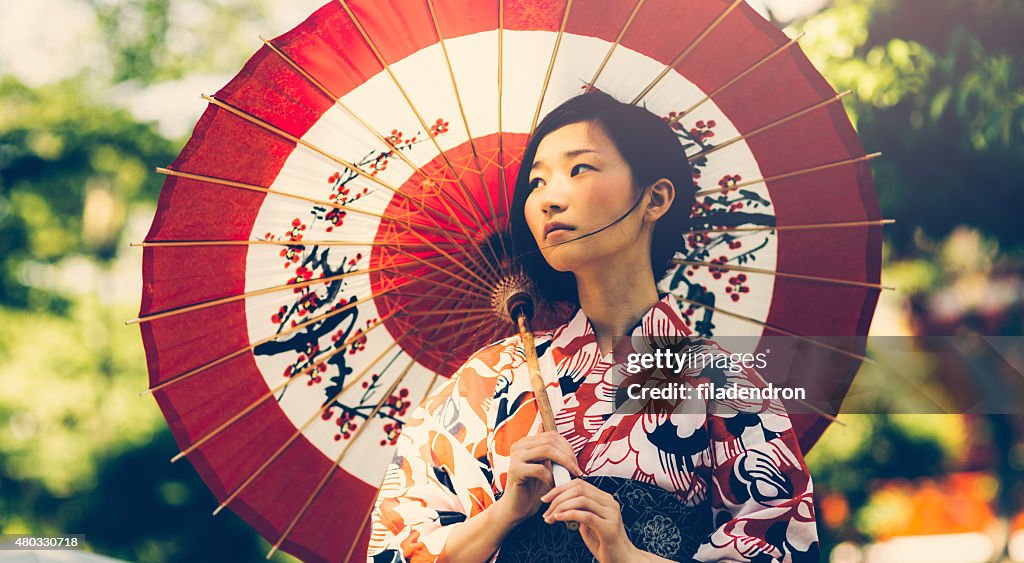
(529, 473)
(599, 516)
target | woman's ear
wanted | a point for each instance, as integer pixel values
(663, 193)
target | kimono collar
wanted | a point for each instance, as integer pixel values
(661, 327)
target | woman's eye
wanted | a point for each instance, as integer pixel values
(579, 168)
(535, 183)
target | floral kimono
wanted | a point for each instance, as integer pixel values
(737, 459)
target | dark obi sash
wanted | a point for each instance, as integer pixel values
(654, 519)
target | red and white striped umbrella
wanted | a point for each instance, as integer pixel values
(327, 242)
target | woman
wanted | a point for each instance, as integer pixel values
(601, 200)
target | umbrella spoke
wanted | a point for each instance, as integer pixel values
(501, 70)
(263, 124)
(484, 288)
(704, 153)
(302, 242)
(618, 39)
(737, 78)
(551, 64)
(437, 283)
(350, 381)
(795, 173)
(444, 196)
(366, 518)
(251, 187)
(689, 49)
(284, 384)
(462, 112)
(337, 461)
(780, 330)
(798, 227)
(433, 138)
(782, 274)
(242, 296)
(217, 361)
(296, 434)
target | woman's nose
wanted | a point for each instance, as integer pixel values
(555, 198)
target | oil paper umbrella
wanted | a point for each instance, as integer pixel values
(328, 244)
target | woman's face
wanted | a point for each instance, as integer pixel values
(581, 183)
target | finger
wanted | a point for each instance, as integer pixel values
(559, 441)
(523, 471)
(582, 516)
(549, 452)
(581, 488)
(587, 500)
(577, 503)
(527, 442)
(554, 439)
(563, 493)
(564, 488)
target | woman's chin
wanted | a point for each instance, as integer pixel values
(562, 259)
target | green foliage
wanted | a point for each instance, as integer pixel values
(160, 40)
(70, 167)
(939, 90)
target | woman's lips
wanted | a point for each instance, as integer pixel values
(558, 232)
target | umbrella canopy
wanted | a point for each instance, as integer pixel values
(327, 243)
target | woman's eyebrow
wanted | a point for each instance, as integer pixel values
(577, 152)
(566, 155)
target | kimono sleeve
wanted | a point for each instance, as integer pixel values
(440, 474)
(761, 492)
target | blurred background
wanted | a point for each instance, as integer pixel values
(95, 93)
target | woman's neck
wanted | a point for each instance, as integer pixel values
(614, 299)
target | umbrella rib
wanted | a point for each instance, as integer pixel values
(747, 229)
(781, 330)
(501, 71)
(337, 100)
(462, 112)
(408, 100)
(689, 49)
(704, 153)
(217, 361)
(280, 450)
(800, 172)
(838, 281)
(247, 242)
(436, 283)
(337, 461)
(618, 39)
(272, 392)
(261, 189)
(341, 455)
(366, 517)
(551, 64)
(260, 123)
(779, 50)
(257, 292)
(352, 380)
(841, 225)
(429, 388)
(482, 288)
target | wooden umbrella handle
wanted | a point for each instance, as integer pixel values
(559, 473)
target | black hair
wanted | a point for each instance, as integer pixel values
(651, 150)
